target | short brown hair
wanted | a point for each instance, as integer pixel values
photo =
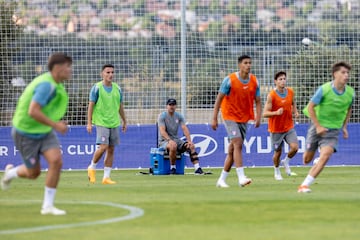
(242, 57)
(278, 74)
(58, 58)
(336, 67)
(107, 66)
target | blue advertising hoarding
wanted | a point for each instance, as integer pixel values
(133, 152)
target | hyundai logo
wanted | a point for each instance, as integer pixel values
(204, 145)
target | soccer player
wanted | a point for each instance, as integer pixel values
(329, 110)
(236, 97)
(279, 107)
(38, 113)
(104, 111)
(169, 122)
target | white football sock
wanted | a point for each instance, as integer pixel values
(107, 171)
(287, 159)
(240, 172)
(92, 165)
(12, 173)
(308, 180)
(49, 196)
(196, 166)
(223, 175)
(277, 170)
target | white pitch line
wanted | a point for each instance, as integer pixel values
(134, 213)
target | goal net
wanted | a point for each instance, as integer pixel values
(143, 39)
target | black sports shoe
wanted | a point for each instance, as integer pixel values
(199, 171)
(173, 171)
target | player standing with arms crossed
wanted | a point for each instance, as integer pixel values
(279, 107)
(329, 110)
(236, 97)
(104, 110)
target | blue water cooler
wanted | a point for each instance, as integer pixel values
(160, 162)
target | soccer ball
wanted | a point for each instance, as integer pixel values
(306, 41)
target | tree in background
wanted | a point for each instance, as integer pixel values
(313, 62)
(10, 31)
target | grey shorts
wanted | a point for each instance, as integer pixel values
(277, 139)
(235, 130)
(31, 149)
(313, 140)
(180, 143)
(108, 136)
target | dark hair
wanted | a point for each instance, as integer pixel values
(58, 58)
(242, 57)
(106, 66)
(336, 67)
(278, 74)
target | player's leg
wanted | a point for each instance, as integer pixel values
(114, 139)
(194, 158)
(29, 150)
(276, 162)
(238, 161)
(99, 152)
(54, 160)
(102, 140)
(238, 141)
(316, 169)
(277, 143)
(325, 154)
(232, 131)
(20, 171)
(108, 163)
(311, 143)
(172, 147)
(50, 149)
(229, 160)
(311, 146)
(308, 156)
(291, 139)
(328, 143)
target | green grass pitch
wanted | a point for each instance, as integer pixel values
(189, 207)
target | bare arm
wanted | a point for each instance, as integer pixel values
(319, 129)
(89, 116)
(295, 110)
(217, 105)
(36, 113)
(268, 107)
(312, 114)
(164, 134)
(123, 117)
(258, 111)
(186, 132)
(347, 118)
